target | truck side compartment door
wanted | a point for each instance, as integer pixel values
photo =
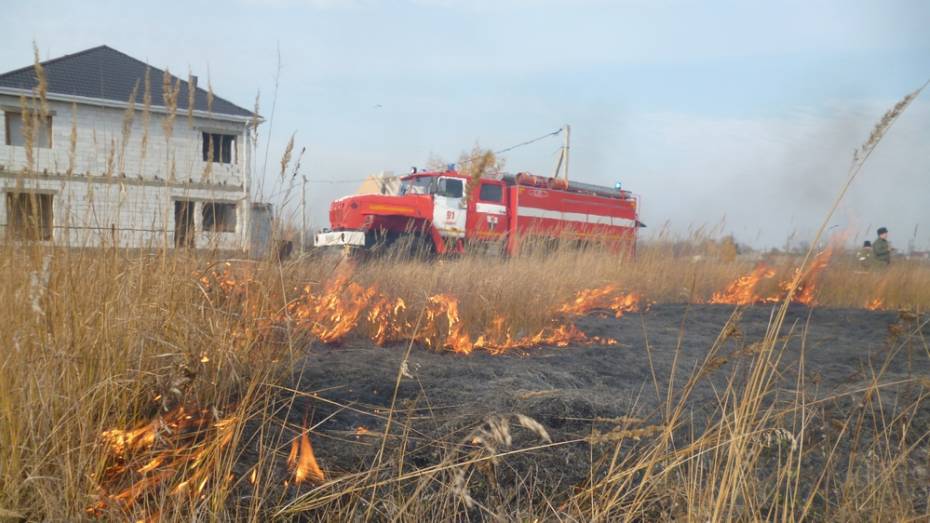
(490, 212)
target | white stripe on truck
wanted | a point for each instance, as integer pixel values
(535, 212)
(491, 208)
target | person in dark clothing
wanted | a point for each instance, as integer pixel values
(881, 249)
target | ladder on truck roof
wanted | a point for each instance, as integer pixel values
(524, 179)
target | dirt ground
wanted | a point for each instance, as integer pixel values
(573, 391)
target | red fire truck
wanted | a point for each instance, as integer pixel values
(450, 213)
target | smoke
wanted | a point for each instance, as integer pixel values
(772, 177)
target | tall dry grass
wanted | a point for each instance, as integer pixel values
(102, 339)
(515, 285)
(105, 339)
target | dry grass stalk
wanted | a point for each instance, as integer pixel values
(622, 434)
(29, 133)
(619, 420)
(129, 115)
(489, 440)
(110, 168)
(533, 426)
(191, 97)
(882, 126)
(209, 95)
(253, 123)
(41, 84)
(72, 141)
(286, 157)
(170, 91)
(146, 116)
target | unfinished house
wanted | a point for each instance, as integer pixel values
(107, 150)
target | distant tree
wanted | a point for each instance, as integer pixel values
(728, 250)
(477, 164)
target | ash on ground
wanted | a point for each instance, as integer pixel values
(578, 393)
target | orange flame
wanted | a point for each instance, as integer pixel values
(742, 291)
(625, 303)
(587, 300)
(386, 316)
(875, 304)
(603, 298)
(342, 308)
(303, 462)
(439, 307)
(807, 281)
(145, 459)
(336, 312)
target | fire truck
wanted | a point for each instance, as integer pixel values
(450, 213)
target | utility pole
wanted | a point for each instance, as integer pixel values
(912, 244)
(563, 156)
(565, 148)
(303, 212)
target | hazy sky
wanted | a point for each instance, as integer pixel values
(740, 113)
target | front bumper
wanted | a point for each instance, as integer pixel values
(339, 238)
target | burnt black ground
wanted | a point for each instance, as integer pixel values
(566, 388)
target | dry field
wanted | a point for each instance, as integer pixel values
(169, 386)
(163, 387)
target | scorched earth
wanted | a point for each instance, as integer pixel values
(588, 397)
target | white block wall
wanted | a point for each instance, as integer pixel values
(120, 189)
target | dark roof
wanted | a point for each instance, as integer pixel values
(107, 74)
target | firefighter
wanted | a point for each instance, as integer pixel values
(881, 249)
(864, 256)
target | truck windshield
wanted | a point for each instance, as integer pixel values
(419, 185)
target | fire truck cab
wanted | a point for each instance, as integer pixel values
(450, 213)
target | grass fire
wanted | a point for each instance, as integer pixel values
(467, 341)
(298, 378)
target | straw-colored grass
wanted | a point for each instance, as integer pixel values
(100, 339)
(105, 339)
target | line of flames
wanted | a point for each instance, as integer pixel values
(181, 444)
(344, 307)
(743, 290)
